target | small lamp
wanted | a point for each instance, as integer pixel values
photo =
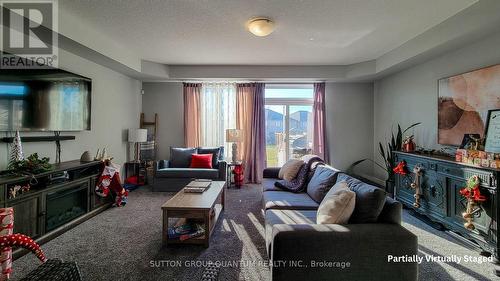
(137, 136)
(234, 136)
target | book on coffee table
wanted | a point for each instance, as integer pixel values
(191, 189)
(203, 180)
(203, 184)
(197, 186)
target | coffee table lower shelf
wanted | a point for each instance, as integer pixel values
(194, 214)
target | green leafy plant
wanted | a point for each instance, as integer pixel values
(386, 150)
(32, 165)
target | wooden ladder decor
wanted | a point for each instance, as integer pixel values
(151, 126)
(154, 124)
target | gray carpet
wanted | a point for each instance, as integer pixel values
(125, 244)
(440, 244)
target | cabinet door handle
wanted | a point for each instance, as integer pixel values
(41, 214)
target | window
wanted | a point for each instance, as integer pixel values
(288, 122)
(218, 113)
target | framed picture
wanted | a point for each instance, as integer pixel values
(469, 141)
(493, 132)
(464, 101)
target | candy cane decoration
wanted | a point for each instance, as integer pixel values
(23, 241)
(6, 228)
(416, 185)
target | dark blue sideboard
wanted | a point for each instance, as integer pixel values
(440, 200)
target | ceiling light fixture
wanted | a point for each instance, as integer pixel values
(260, 26)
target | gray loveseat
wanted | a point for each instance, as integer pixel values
(303, 250)
(173, 174)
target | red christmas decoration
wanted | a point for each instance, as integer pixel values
(6, 228)
(401, 168)
(472, 191)
(238, 175)
(473, 195)
(110, 181)
(23, 241)
(476, 194)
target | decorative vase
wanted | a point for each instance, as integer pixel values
(86, 157)
(409, 145)
(389, 186)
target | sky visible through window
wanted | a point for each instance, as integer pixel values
(288, 135)
(289, 93)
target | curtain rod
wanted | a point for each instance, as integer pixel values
(246, 81)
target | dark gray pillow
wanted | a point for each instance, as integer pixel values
(370, 200)
(180, 157)
(216, 154)
(323, 179)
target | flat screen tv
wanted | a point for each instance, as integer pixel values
(44, 100)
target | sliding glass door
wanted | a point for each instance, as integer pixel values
(288, 122)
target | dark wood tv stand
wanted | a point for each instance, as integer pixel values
(54, 205)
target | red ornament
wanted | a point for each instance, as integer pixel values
(464, 192)
(472, 191)
(476, 194)
(238, 175)
(473, 195)
(401, 168)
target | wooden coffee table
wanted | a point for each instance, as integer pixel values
(195, 206)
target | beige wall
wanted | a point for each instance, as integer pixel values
(116, 105)
(166, 99)
(349, 125)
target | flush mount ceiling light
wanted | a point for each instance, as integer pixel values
(260, 26)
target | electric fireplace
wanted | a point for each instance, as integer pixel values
(66, 204)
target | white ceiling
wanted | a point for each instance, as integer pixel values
(308, 32)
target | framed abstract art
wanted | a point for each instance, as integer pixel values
(464, 101)
(493, 131)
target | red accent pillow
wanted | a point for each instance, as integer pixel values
(201, 161)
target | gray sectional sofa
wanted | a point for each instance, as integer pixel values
(300, 249)
(173, 174)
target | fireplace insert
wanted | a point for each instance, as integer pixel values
(67, 204)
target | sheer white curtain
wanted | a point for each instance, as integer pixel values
(218, 113)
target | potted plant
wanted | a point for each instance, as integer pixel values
(385, 151)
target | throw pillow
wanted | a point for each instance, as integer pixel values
(322, 180)
(181, 157)
(370, 200)
(337, 206)
(290, 169)
(203, 161)
(217, 154)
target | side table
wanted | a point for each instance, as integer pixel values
(234, 174)
(137, 169)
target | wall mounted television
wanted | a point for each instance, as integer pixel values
(44, 100)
